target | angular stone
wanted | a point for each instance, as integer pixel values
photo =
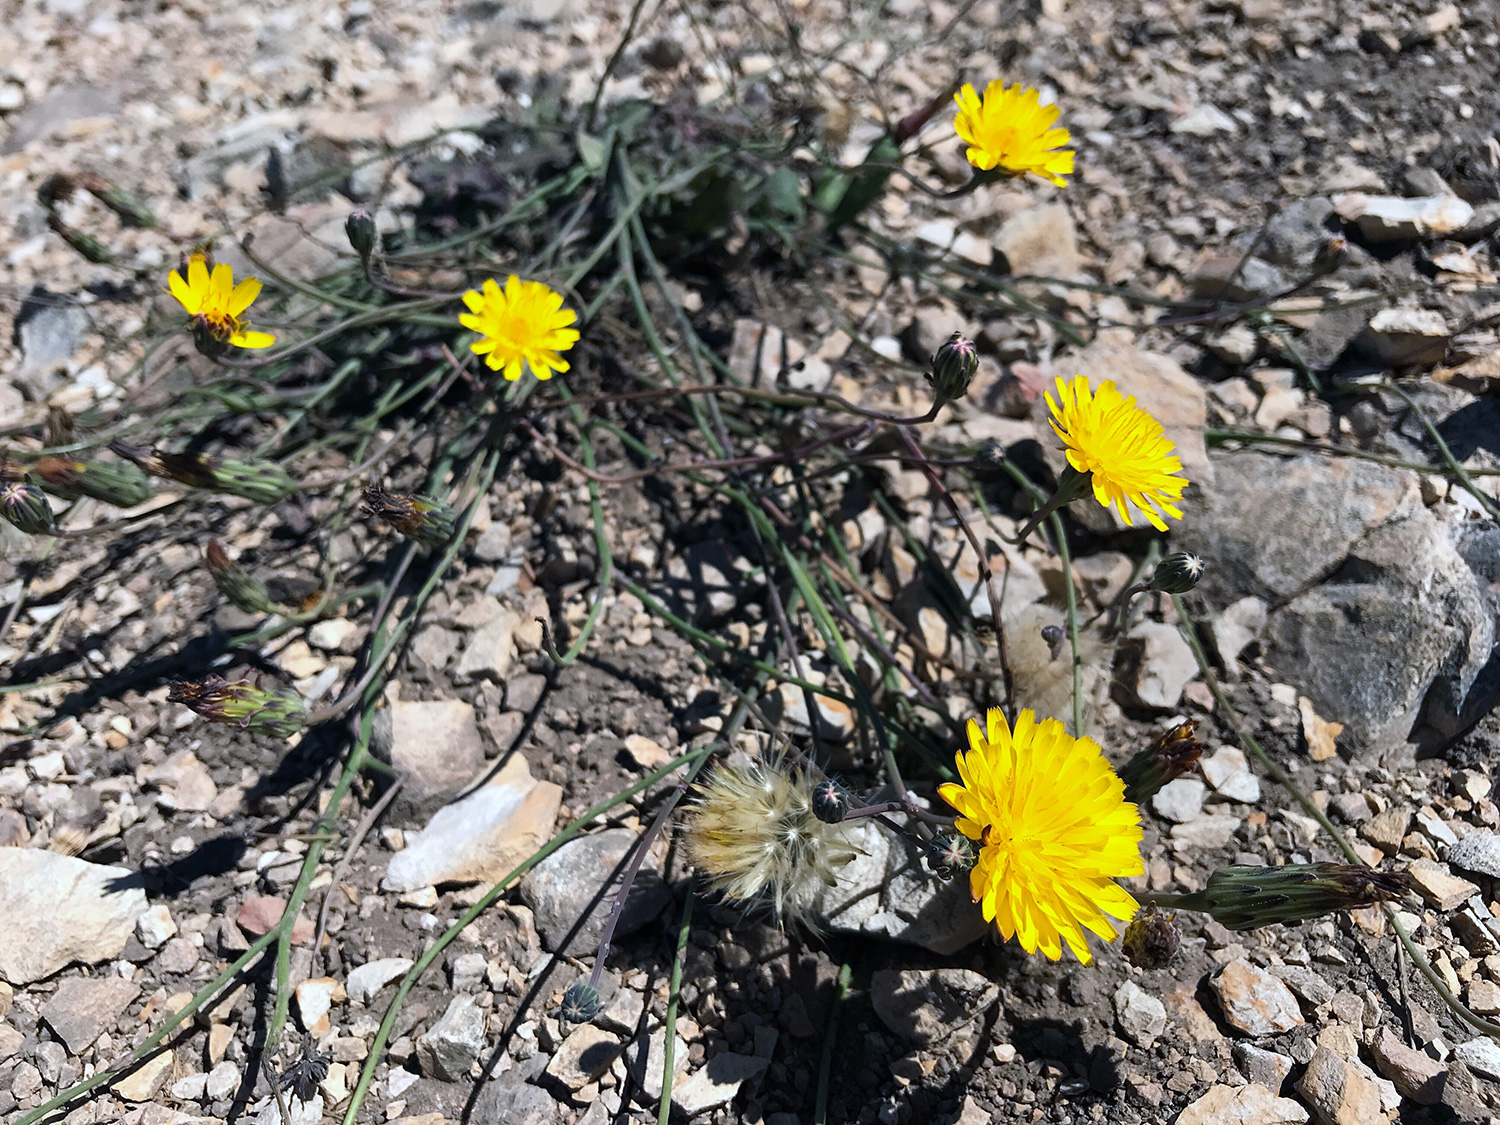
(1478, 852)
(488, 654)
(144, 1082)
(1179, 800)
(579, 882)
(1254, 1001)
(59, 909)
(1142, 1017)
(1439, 886)
(1340, 1091)
(368, 979)
(435, 746)
(715, 1083)
(1305, 983)
(1415, 1075)
(1400, 337)
(927, 1005)
(155, 927)
(83, 1008)
(1269, 1068)
(584, 1055)
(1040, 241)
(1482, 1056)
(184, 782)
(480, 837)
(314, 999)
(1206, 832)
(1228, 771)
(451, 1046)
(1253, 1104)
(1167, 665)
(260, 914)
(1387, 829)
(1394, 218)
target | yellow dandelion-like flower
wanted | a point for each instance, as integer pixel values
(524, 323)
(1010, 129)
(1121, 447)
(1054, 831)
(214, 301)
(753, 834)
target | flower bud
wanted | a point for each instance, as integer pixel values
(237, 585)
(1151, 940)
(278, 712)
(953, 368)
(1177, 573)
(1245, 898)
(131, 210)
(830, 801)
(360, 227)
(951, 853)
(89, 247)
(263, 481)
(25, 505)
(580, 1004)
(421, 519)
(124, 486)
(1170, 755)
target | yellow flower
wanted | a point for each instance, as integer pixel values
(1122, 448)
(524, 323)
(1010, 129)
(1054, 831)
(216, 302)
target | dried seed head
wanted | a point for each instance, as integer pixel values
(1245, 898)
(279, 712)
(752, 832)
(24, 504)
(1151, 940)
(1170, 755)
(421, 519)
(72, 836)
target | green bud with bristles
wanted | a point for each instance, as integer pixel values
(86, 245)
(953, 368)
(580, 1004)
(279, 711)
(238, 586)
(1177, 573)
(122, 485)
(360, 227)
(24, 504)
(263, 481)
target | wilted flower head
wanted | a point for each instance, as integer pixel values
(1122, 449)
(124, 486)
(1246, 898)
(525, 323)
(752, 832)
(279, 711)
(422, 519)
(1151, 940)
(1054, 832)
(239, 587)
(265, 482)
(1170, 755)
(1011, 130)
(215, 302)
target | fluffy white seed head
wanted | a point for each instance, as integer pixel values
(752, 833)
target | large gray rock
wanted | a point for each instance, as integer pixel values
(928, 1005)
(581, 879)
(1375, 614)
(434, 745)
(451, 1046)
(83, 1008)
(59, 910)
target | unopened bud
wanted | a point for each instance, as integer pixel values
(951, 853)
(238, 586)
(124, 486)
(25, 505)
(263, 481)
(1246, 898)
(580, 1004)
(1170, 755)
(279, 711)
(953, 368)
(360, 227)
(830, 801)
(421, 519)
(125, 204)
(85, 244)
(1151, 940)
(1177, 573)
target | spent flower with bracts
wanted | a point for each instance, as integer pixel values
(24, 505)
(422, 519)
(216, 305)
(754, 835)
(277, 711)
(523, 324)
(1170, 755)
(1246, 898)
(1054, 832)
(262, 481)
(1151, 940)
(122, 485)
(1008, 130)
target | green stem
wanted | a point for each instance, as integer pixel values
(674, 993)
(830, 1036)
